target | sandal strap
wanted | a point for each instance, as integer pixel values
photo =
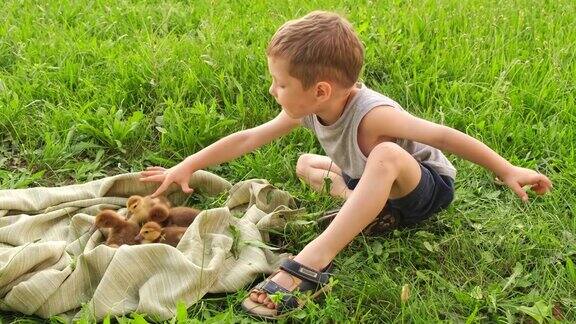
(270, 287)
(258, 287)
(305, 273)
(288, 301)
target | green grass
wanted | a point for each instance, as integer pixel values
(96, 88)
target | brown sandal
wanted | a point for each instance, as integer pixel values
(312, 281)
(384, 222)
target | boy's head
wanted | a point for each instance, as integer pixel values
(321, 46)
(314, 62)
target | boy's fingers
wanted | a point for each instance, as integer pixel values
(186, 188)
(540, 190)
(150, 173)
(518, 190)
(153, 178)
(162, 188)
(541, 179)
(541, 187)
(530, 179)
(540, 184)
(155, 168)
(546, 181)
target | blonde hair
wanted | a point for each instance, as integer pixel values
(321, 46)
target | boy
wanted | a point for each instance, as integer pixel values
(378, 154)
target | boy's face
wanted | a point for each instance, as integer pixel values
(288, 91)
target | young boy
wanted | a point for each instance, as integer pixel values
(378, 154)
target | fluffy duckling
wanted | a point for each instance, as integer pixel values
(152, 232)
(139, 207)
(122, 231)
(175, 216)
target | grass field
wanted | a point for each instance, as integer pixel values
(96, 88)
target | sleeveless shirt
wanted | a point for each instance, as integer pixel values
(340, 140)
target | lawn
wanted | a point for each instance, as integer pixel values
(90, 89)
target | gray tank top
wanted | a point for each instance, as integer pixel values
(340, 142)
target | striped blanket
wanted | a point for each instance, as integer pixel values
(50, 263)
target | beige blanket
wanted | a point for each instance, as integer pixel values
(50, 264)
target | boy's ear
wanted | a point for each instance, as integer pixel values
(323, 91)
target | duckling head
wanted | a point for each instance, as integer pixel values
(133, 203)
(149, 232)
(139, 207)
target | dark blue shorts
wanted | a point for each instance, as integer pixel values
(433, 193)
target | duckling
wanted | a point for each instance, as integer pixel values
(122, 231)
(139, 207)
(152, 232)
(175, 216)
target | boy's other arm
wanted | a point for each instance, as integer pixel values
(400, 124)
(223, 150)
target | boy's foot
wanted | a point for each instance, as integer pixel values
(384, 222)
(287, 283)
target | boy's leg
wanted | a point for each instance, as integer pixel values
(313, 168)
(390, 172)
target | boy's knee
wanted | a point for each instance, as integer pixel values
(388, 155)
(303, 164)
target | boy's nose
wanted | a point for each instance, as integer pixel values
(271, 91)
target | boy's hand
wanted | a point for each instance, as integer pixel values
(516, 178)
(179, 174)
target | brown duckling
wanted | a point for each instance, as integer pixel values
(152, 232)
(139, 207)
(175, 216)
(122, 231)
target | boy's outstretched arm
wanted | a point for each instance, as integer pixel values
(223, 150)
(400, 124)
